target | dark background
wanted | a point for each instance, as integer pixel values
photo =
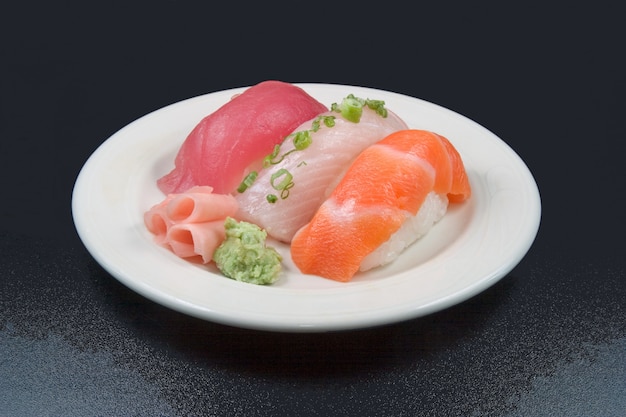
(548, 339)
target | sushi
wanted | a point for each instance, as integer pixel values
(349, 188)
(410, 174)
(223, 145)
(309, 175)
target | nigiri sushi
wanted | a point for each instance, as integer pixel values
(302, 179)
(389, 184)
(219, 150)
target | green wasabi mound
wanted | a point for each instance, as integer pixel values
(244, 256)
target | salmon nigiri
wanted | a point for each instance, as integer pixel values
(402, 176)
(221, 147)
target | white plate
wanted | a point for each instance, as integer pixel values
(472, 247)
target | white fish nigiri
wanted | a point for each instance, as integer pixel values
(298, 184)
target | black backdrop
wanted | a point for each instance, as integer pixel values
(546, 340)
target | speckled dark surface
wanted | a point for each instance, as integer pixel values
(549, 339)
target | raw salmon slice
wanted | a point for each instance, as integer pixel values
(386, 185)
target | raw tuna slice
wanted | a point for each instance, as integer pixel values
(219, 150)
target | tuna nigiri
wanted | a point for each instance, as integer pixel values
(388, 184)
(303, 179)
(225, 143)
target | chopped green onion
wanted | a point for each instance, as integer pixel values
(315, 126)
(284, 185)
(329, 121)
(302, 140)
(269, 159)
(378, 106)
(247, 181)
(285, 191)
(271, 198)
(351, 109)
(285, 181)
